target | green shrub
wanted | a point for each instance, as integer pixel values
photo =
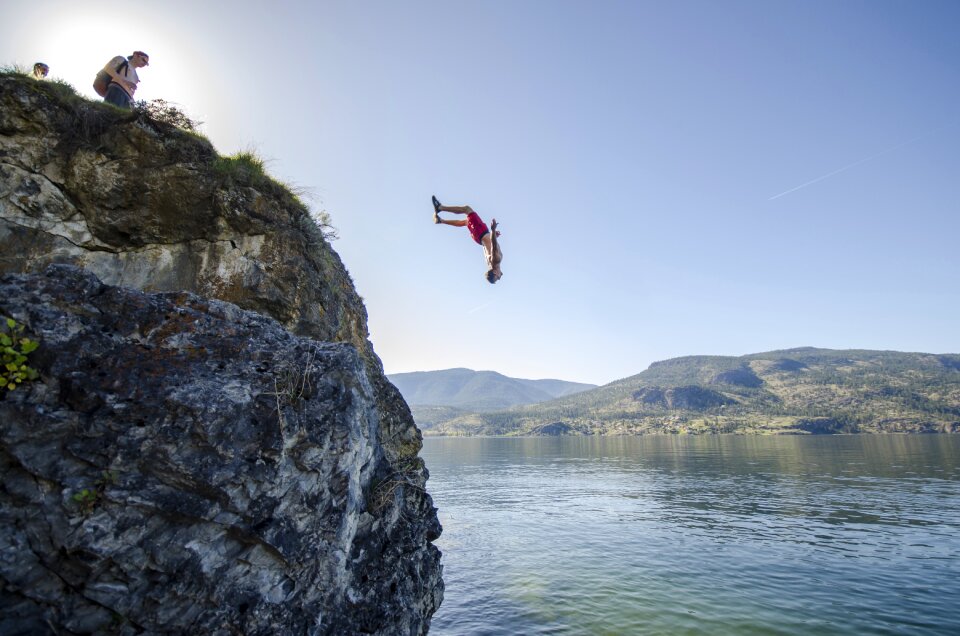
(88, 498)
(15, 348)
(325, 223)
(162, 111)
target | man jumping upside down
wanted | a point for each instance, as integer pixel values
(484, 236)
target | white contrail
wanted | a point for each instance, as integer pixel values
(476, 309)
(837, 171)
(857, 163)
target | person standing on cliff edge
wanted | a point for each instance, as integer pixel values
(484, 236)
(123, 78)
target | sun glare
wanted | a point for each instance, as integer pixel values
(76, 46)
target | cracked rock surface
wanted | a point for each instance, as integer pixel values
(145, 207)
(186, 466)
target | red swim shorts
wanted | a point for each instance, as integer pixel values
(477, 227)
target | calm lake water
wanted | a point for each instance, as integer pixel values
(698, 535)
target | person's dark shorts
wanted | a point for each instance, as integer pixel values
(117, 96)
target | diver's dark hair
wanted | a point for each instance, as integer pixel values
(491, 277)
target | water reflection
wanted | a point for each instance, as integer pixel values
(719, 534)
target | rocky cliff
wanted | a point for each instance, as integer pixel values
(183, 464)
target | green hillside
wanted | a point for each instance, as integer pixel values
(803, 390)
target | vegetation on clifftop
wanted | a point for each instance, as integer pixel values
(81, 123)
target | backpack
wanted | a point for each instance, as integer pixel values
(102, 81)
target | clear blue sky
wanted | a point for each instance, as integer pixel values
(671, 178)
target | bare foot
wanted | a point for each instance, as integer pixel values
(493, 226)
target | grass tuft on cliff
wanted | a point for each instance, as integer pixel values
(243, 167)
(247, 168)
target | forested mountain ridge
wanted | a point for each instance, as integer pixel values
(478, 390)
(804, 390)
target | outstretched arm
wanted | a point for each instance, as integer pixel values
(497, 254)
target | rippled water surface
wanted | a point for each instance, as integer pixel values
(698, 535)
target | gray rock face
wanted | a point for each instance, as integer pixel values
(146, 206)
(186, 466)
